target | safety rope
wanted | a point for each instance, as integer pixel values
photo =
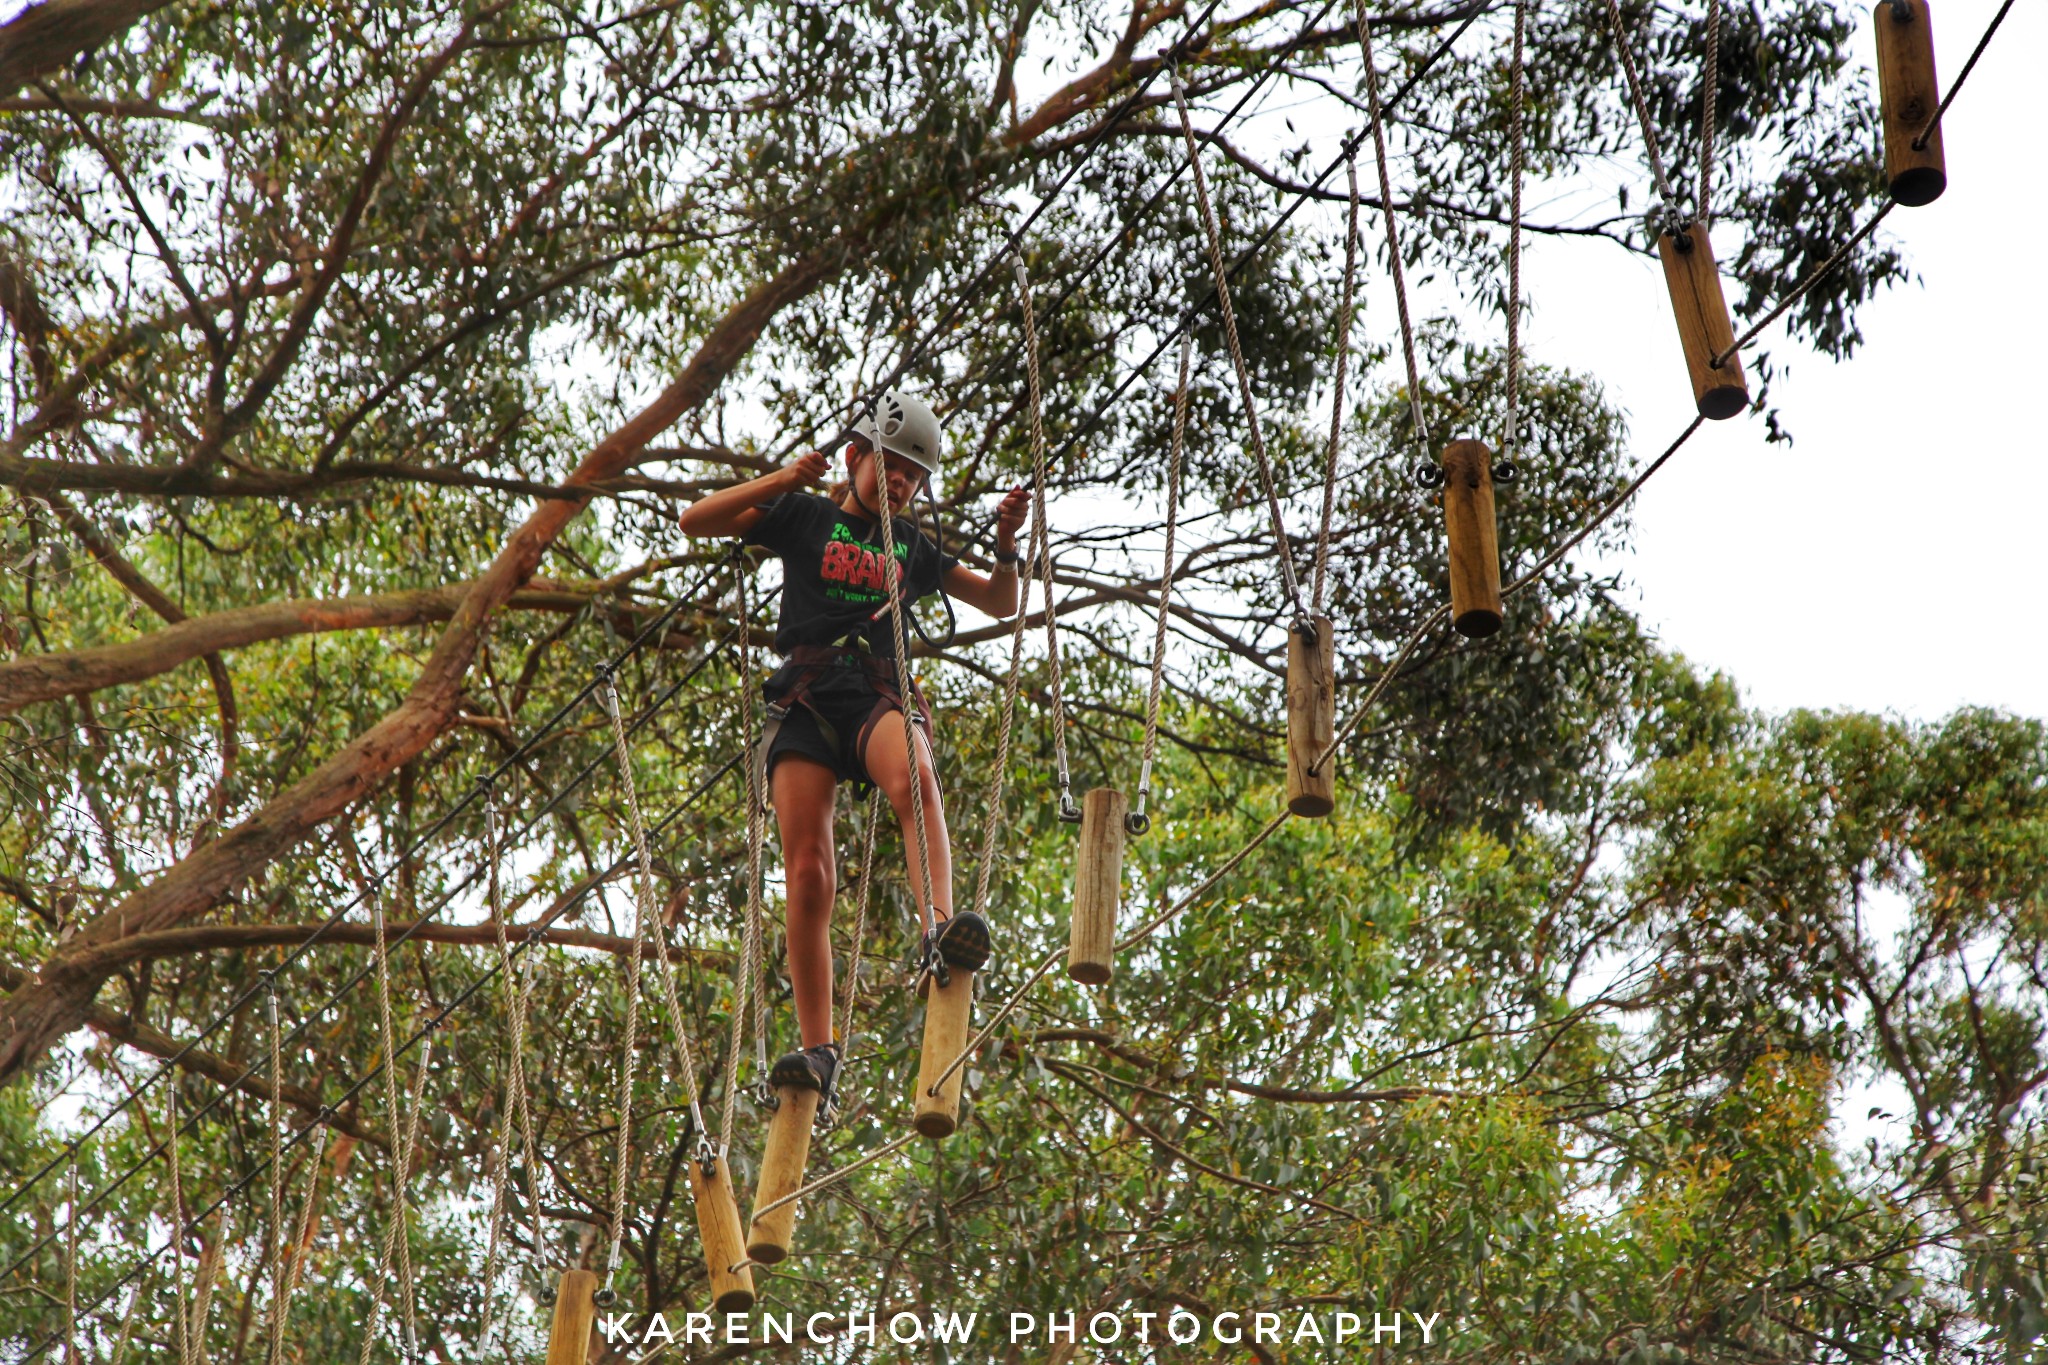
(273, 1241)
(181, 1319)
(1668, 202)
(1517, 137)
(748, 991)
(1709, 93)
(1345, 318)
(516, 1113)
(1212, 231)
(127, 1323)
(860, 930)
(71, 1269)
(1140, 818)
(405, 1137)
(892, 584)
(1041, 538)
(1379, 145)
(400, 1166)
(644, 915)
(1006, 713)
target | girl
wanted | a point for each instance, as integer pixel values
(837, 706)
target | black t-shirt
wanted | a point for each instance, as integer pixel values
(832, 580)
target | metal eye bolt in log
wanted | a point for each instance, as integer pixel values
(1098, 887)
(1703, 327)
(1909, 94)
(1475, 547)
(1311, 717)
(947, 1012)
(783, 1159)
(575, 1316)
(718, 1224)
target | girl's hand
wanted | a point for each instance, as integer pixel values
(806, 469)
(1010, 514)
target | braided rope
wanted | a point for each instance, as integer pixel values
(1006, 715)
(401, 1165)
(517, 1111)
(1379, 145)
(1518, 137)
(747, 990)
(1635, 94)
(1173, 463)
(127, 1323)
(181, 1320)
(1710, 92)
(892, 582)
(405, 1135)
(1213, 231)
(71, 1268)
(1345, 317)
(274, 1234)
(621, 1149)
(1042, 542)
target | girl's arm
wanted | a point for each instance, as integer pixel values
(996, 594)
(733, 511)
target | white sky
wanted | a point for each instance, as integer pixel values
(1881, 562)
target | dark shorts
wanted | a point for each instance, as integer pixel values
(833, 728)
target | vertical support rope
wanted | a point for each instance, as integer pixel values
(1379, 146)
(1212, 229)
(992, 818)
(1140, 819)
(747, 990)
(128, 1320)
(1635, 93)
(1710, 90)
(400, 1166)
(1345, 318)
(892, 583)
(405, 1136)
(517, 1112)
(274, 1234)
(181, 1321)
(1517, 136)
(622, 1146)
(1042, 546)
(71, 1268)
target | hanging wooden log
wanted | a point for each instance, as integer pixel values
(783, 1159)
(718, 1225)
(948, 1010)
(575, 1315)
(1703, 328)
(1907, 90)
(1311, 718)
(1475, 547)
(1098, 886)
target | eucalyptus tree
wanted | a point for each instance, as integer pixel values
(357, 355)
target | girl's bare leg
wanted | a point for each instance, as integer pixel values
(803, 809)
(886, 764)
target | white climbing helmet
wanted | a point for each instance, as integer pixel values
(902, 425)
